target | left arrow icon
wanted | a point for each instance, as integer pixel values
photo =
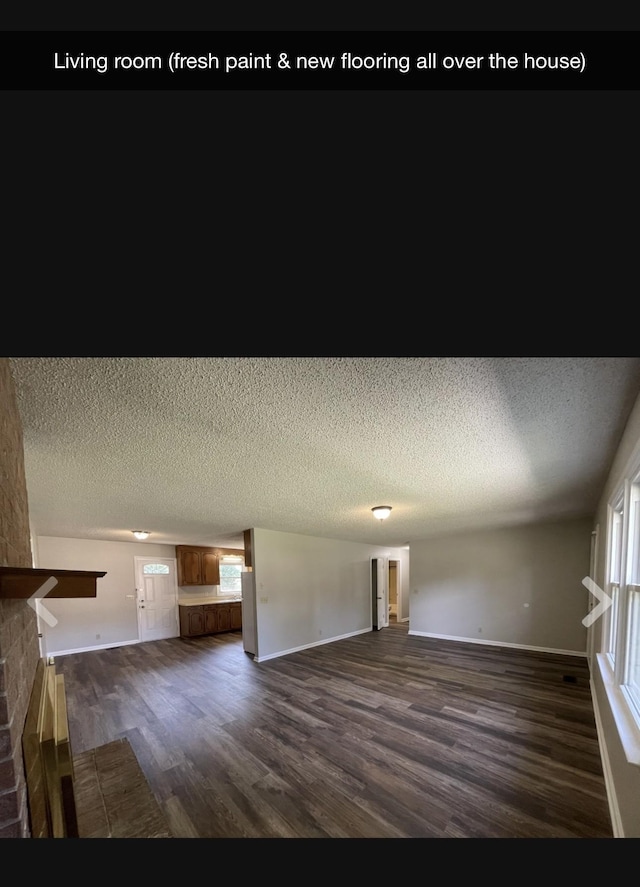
(41, 610)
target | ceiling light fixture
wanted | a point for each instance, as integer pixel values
(140, 534)
(381, 511)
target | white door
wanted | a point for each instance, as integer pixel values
(379, 589)
(157, 598)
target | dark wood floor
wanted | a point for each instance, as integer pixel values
(378, 736)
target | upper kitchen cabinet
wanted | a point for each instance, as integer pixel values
(197, 566)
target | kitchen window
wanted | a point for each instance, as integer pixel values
(231, 574)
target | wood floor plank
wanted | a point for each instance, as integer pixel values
(382, 735)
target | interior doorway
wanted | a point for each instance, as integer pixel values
(379, 593)
(386, 589)
(393, 591)
(396, 609)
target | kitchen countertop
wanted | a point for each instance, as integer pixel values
(198, 601)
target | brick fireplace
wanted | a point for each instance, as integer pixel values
(19, 647)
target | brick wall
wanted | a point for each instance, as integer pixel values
(19, 648)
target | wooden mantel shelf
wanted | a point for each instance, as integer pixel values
(24, 582)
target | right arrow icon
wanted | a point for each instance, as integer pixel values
(604, 602)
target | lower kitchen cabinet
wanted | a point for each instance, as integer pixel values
(236, 617)
(210, 618)
(191, 621)
(210, 614)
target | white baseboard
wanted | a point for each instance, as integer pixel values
(485, 643)
(55, 653)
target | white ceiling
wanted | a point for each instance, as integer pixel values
(198, 449)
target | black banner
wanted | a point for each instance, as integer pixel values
(320, 60)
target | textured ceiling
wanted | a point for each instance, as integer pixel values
(197, 449)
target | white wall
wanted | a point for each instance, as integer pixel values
(519, 587)
(111, 614)
(311, 590)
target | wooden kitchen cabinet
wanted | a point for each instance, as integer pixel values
(224, 621)
(210, 618)
(230, 616)
(197, 565)
(191, 621)
(236, 616)
(210, 568)
(202, 619)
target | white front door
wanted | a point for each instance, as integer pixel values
(157, 598)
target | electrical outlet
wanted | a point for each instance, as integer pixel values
(97, 637)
